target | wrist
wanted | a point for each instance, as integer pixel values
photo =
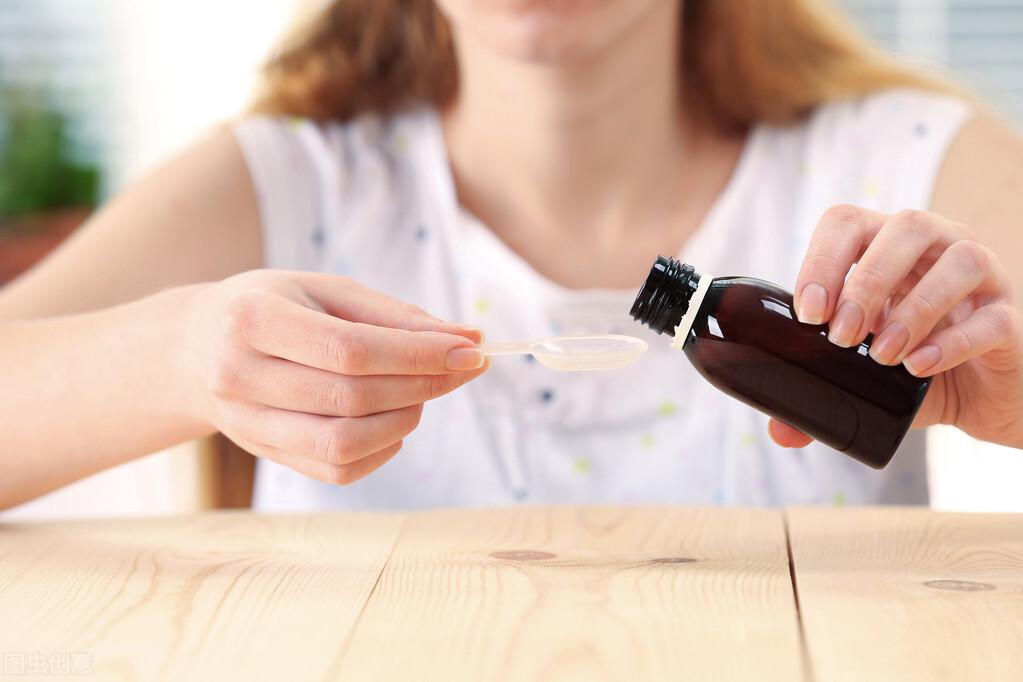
(170, 312)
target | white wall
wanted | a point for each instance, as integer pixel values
(184, 66)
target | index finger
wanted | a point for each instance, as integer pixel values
(349, 300)
(294, 332)
(838, 241)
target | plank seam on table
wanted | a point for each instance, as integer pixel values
(333, 672)
(804, 647)
(869, 605)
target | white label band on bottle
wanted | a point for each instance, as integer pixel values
(682, 330)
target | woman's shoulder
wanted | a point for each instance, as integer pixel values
(315, 181)
(290, 154)
(890, 115)
(308, 140)
(883, 150)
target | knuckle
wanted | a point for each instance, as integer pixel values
(406, 421)
(1004, 320)
(224, 377)
(344, 400)
(971, 254)
(345, 281)
(921, 305)
(422, 359)
(867, 282)
(410, 310)
(824, 262)
(914, 223)
(256, 277)
(333, 445)
(964, 230)
(325, 445)
(340, 474)
(843, 213)
(241, 315)
(347, 353)
(437, 385)
(415, 417)
(960, 342)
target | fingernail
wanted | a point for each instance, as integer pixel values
(847, 323)
(922, 359)
(462, 359)
(813, 301)
(888, 345)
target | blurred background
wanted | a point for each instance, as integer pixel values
(93, 92)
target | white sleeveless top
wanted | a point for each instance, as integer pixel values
(374, 199)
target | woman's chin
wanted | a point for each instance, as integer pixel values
(543, 46)
(551, 31)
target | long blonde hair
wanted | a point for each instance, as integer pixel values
(742, 61)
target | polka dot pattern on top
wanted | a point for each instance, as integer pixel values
(374, 199)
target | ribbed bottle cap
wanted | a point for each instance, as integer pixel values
(665, 295)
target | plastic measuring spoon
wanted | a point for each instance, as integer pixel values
(575, 353)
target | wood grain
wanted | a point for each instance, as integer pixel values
(908, 594)
(582, 594)
(217, 596)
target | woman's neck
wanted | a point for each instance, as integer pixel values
(601, 148)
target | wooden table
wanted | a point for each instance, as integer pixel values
(519, 594)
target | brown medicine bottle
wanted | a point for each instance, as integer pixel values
(742, 335)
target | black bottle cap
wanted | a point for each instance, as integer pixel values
(665, 295)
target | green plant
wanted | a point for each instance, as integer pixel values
(37, 169)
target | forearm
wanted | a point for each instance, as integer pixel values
(85, 392)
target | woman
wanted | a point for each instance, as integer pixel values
(515, 166)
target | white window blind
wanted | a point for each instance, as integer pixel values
(980, 42)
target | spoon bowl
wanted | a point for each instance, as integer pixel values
(581, 353)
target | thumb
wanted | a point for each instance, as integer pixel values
(786, 436)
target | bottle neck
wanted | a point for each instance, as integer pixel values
(667, 297)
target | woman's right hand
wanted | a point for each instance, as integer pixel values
(317, 372)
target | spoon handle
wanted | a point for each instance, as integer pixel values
(505, 348)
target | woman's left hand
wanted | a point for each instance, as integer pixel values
(937, 301)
